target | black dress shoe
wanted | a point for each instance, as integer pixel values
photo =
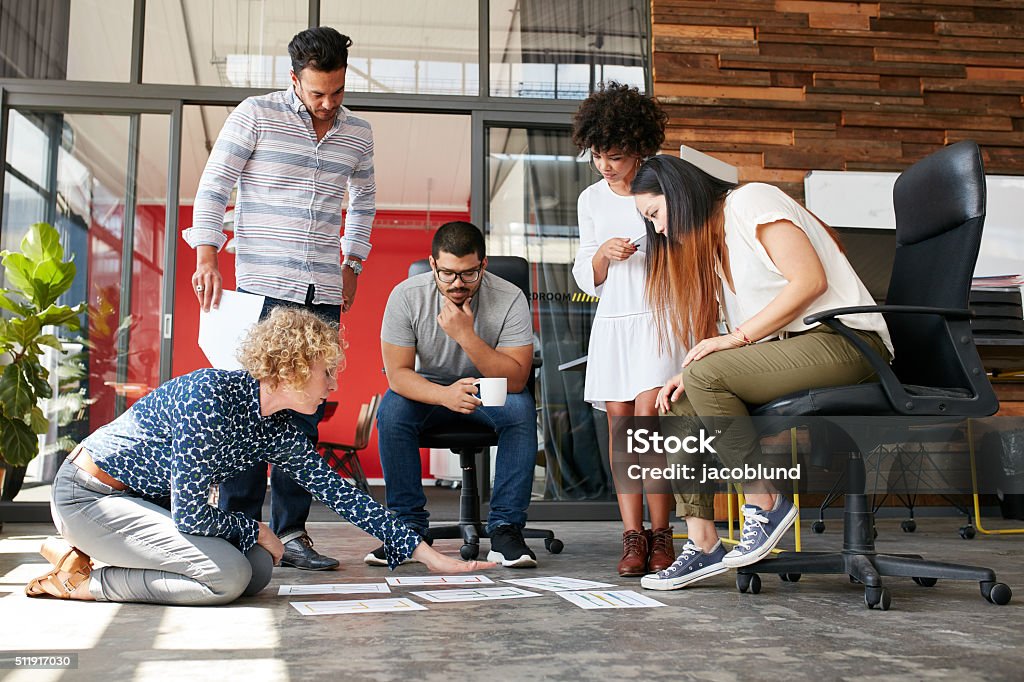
(299, 553)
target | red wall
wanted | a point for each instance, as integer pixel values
(393, 251)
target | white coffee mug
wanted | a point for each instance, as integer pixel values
(492, 391)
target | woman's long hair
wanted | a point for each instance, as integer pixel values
(682, 277)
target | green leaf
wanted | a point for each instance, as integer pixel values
(17, 308)
(60, 315)
(40, 424)
(51, 341)
(24, 332)
(18, 445)
(50, 279)
(19, 272)
(42, 242)
(39, 378)
(16, 394)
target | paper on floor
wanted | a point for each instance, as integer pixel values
(418, 580)
(330, 608)
(479, 594)
(557, 583)
(334, 588)
(609, 599)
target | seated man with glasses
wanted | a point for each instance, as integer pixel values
(441, 331)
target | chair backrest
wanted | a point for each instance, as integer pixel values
(940, 213)
(510, 268)
(364, 425)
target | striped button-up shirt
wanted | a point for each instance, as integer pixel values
(290, 193)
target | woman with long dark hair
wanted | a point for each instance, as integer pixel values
(779, 263)
(626, 364)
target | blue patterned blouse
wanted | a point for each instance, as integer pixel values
(197, 430)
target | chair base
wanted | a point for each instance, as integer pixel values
(470, 528)
(471, 533)
(862, 564)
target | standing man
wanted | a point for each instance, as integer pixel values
(292, 154)
(441, 330)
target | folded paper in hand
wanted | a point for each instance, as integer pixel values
(223, 329)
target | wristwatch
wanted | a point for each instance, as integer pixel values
(357, 266)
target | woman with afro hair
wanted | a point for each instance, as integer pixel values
(627, 365)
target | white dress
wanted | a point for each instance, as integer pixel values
(624, 359)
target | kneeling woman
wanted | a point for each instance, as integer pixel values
(179, 441)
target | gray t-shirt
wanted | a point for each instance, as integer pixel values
(501, 317)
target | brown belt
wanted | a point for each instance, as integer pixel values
(81, 458)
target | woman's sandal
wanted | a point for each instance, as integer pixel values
(65, 559)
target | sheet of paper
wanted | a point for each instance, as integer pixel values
(331, 608)
(222, 330)
(478, 594)
(420, 580)
(557, 583)
(609, 599)
(335, 588)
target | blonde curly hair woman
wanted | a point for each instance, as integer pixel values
(179, 441)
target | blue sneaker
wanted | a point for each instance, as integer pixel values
(762, 530)
(689, 567)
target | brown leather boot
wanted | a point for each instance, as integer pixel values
(662, 552)
(634, 554)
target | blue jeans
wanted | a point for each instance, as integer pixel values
(289, 501)
(399, 424)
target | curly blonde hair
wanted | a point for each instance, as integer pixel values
(282, 348)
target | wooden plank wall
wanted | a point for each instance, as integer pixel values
(781, 87)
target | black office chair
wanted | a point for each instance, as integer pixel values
(474, 440)
(940, 211)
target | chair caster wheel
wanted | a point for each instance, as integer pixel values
(554, 545)
(748, 582)
(997, 593)
(926, 582)
(469, 552)
(908, 526)
(818, 527)
(790, 577)
(967, 532)
(877, 596)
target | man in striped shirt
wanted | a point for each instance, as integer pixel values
(292, 155)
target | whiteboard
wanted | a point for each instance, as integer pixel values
(864, 199)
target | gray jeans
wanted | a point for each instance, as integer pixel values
(149, 559)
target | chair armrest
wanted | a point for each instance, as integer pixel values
(950, 313)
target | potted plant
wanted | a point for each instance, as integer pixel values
(39, 275)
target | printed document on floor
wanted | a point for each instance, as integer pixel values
(333, 608)
(479, 594)
(334, 588)
(557, 583)
(609, 599)
(418, 580)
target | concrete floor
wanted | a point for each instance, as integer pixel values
(816, 629)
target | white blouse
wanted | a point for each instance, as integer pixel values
(757, 279)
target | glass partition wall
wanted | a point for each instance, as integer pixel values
(104, 134)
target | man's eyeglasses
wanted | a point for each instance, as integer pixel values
(467, 277)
